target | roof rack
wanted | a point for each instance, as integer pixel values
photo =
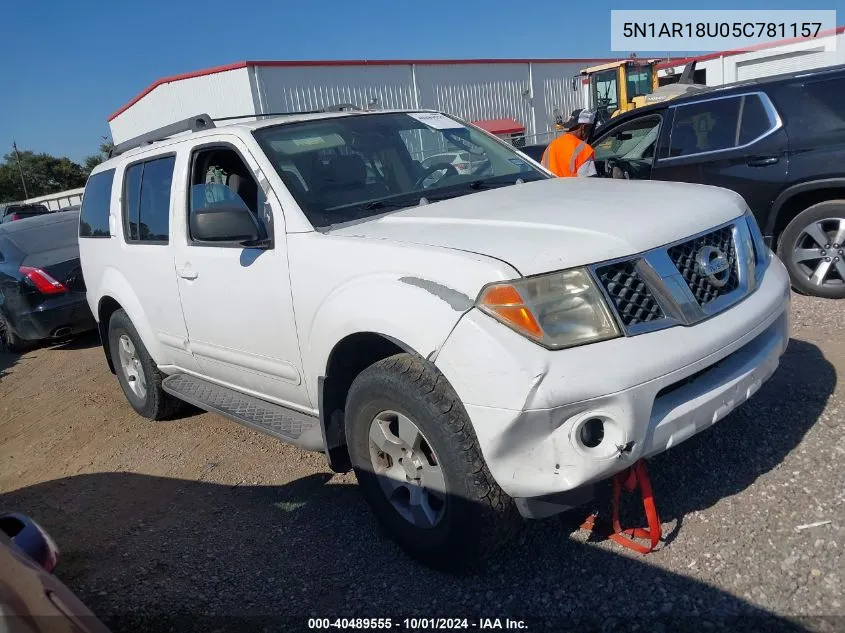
(205, 122)
(340, 107)
(193, 124)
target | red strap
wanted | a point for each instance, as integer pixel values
(629, 479)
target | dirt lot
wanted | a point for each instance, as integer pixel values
(202, 516)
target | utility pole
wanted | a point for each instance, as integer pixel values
(20, 169)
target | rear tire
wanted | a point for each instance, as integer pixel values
(137, 372)
(471, 517)
(805, 257)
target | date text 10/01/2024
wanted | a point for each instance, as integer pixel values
(414, 624)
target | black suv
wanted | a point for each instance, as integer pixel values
(778, 141)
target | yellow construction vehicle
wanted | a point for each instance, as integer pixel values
(614, 88)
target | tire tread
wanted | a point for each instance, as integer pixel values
(498, 518)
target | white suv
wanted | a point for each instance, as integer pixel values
(474, 345)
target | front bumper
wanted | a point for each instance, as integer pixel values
(56, 317)
(651, 391)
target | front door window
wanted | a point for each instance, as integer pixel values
(628, 150)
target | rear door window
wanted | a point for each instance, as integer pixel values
(705, 127)
(96, 203)
(720, 124)
(755, 120)
(146, 205)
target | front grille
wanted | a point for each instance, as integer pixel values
(684, 255)
(631, 297)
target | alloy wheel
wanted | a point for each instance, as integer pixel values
(819, 252)
(407, 469)
(130, 363)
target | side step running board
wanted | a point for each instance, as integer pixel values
(285, 424)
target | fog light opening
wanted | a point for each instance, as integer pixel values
(591, 433)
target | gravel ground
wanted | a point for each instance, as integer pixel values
(202, 516)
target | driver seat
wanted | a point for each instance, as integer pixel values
(343, 180)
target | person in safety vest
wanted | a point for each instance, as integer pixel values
(569, 155)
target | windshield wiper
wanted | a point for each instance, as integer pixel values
(386, 204)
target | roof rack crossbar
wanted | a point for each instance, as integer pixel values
(192, 124)
(264, 114)
(340, 107)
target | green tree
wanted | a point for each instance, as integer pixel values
(95, 159)
(43, 173)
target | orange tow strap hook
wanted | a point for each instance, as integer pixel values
(629, 479)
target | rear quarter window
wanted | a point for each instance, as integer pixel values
(96, 201)
(815, 108)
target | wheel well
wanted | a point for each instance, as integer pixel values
(800, 201)
(350, 357)
(107, 307)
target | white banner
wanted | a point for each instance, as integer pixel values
(708, 30)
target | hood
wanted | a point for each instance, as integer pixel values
(559, 223)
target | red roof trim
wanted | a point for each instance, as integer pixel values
(758, 47)
(172, 78)
(345, 62)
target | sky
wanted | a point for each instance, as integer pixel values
(67, 66)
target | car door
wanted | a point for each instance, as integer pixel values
(734, 141)
(146, 194)
(236, 300)
(627, 150)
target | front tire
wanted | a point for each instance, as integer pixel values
(419, 465)
(137, 372)
(812, 247)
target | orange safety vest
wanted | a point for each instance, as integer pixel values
(566, 154)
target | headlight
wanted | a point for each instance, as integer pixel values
(557, 310)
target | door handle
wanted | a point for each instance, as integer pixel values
(187, 273)
(763, 161)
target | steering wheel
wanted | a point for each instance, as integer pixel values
(434, 168)
(617, 168)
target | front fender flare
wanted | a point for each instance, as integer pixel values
(415, 313)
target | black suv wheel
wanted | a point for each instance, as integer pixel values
(813, 249)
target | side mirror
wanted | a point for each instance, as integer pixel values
(229, 223)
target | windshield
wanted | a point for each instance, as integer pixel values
(639, 81)
(605, 92)
(354, 167)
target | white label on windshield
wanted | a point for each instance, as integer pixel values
(436, 120)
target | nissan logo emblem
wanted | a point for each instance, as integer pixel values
(713, 265)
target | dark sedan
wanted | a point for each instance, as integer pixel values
(15, 212)
(42, 293)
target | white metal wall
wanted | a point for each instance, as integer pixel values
(553, 90)
(526, 92)
(807, 55)
(302, 88)
(221, 94)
